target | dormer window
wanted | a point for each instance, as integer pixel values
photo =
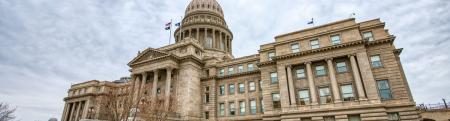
(368, 36)
(314, 44)
(271, 55)
(335, 39)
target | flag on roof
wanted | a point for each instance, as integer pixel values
(168, 26)
(312, 21)
(178, 24)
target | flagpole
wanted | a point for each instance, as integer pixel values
(181, 27)
(170, 34)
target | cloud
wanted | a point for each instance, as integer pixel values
(47, 45)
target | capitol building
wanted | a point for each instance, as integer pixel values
(339, 71)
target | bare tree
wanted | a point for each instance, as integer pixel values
(119, 105)
(6, 112)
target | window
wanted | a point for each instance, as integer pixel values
(273, 78)
(158, 91)
(221, 72)
(276, 100)
(230, 70)
(252, 86)
(208, 42)
(376, 61)
(300, 73)
(304, 97)
(241, 68)
(222, 45)
(222, 90)
(347, 92)
(320, 70)
(368, 36)
(250, 67)
(354, 118)
(222, 109)
(232, 108)
(314, 44)
(393, 117)
(241, 88)
(384, 89)
(329, 118)
(335, 39)
(231, 89)
(206, 100)
(253, 106)
(271, 55)
(295, 48)
(261, 106)
(341, 67)
(260, 85)
(241, 107)
(325, 96)
(206, 115)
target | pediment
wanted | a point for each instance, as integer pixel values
(147, 54)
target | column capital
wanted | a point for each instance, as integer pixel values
(155, 71)
(169, 68)
(289, 66)
(307, 63)
(351, 55)
(144, 73)
(329, 59)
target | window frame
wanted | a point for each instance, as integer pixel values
(314, 46)
(221, 110)
(250, 68)
(345, 65)
(307, 100)
(271, 55)
(241, 90)
(230, 70)
(222, 72)
(251, 107)
(330, 95)
(391, 96)
(241, 69)
(272, 81)
(250, 86)
(242, 109)
(379, 61)
(296, 73)
(324, 70)
(229, 89)
(276, 104)
(232, 107)
(295, 50)
(339, 39)
(366, 38)
(222, 90)
(342, 92)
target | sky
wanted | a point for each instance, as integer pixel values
(47, 45)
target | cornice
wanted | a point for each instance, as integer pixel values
(371, 26)
(389, 39)
(153, 60)
(267, 63)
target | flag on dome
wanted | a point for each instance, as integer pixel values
(168, 25)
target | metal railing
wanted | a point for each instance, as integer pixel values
(434, 107)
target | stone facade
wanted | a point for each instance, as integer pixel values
(344, 71)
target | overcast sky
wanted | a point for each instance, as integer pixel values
(47, 45)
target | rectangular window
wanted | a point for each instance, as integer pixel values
(209, 42)
(206, 115)
(242, 107)
(276, 100)
(232, 108)
(252, 86)
(300, 73)
(376, 61)
(384, 89)
(261, 106)
(206, 98)
(221, 72)
(347, 92)
(335, 39)
(250, 67)
(273, 77)
(393, 117)
(314, 44)
(230, 70)
(354, 118)
(240, 68)
(253, 106)
(320, 70)
(341, 67)
(329, 118)
(295, 48)
(368, 36)
(241, 88)
(222, 90)
(325, 95)
(222, 109)
(304, 97)
(271, 55)
(231, 89)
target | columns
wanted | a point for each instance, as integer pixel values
(291, 86)
(72, 110)
(144, 79)
(334, 84)
(168, 85)
(86, 109)
(78, 111)
(214, 43)
(155, 84)
(198, 34)
(221, 43)
(66, 107)
(136, 87)
(312, 87)
(190, 32)
(357, 76)
(206, 36)
(367, 76)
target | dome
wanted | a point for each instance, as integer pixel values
(211, 6)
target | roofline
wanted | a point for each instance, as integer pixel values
(311, 28)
